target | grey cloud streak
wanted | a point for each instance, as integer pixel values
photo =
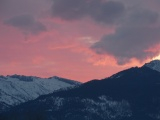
(24, 15)
(26, 23)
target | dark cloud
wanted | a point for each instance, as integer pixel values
(2, 4)
(133, 38)
(137, 30)
(108, 12)
(69, 9)
(26, 23)
(99, 10)
(10, 8)
(142, 18)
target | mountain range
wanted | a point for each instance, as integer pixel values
(131, 94)
(16, 89)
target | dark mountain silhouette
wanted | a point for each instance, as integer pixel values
(133, 94)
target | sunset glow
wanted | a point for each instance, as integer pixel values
(157, 58)
(44, 38)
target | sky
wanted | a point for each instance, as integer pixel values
(77, 39)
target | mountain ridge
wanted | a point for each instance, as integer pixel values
(17, 89)
(155, 65)
(131, 94)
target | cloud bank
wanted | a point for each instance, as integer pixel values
(132, 39)
(136, 33)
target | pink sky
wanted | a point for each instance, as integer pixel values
(37, 39)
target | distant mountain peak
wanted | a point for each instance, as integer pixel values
(16, 89)
(155, 65)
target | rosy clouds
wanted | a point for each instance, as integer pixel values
(42, 40)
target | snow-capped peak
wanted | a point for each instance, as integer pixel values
(16, 89)
(155, 65)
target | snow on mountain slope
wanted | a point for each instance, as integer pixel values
(16, 89)
(155, 65)
(132, 94)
